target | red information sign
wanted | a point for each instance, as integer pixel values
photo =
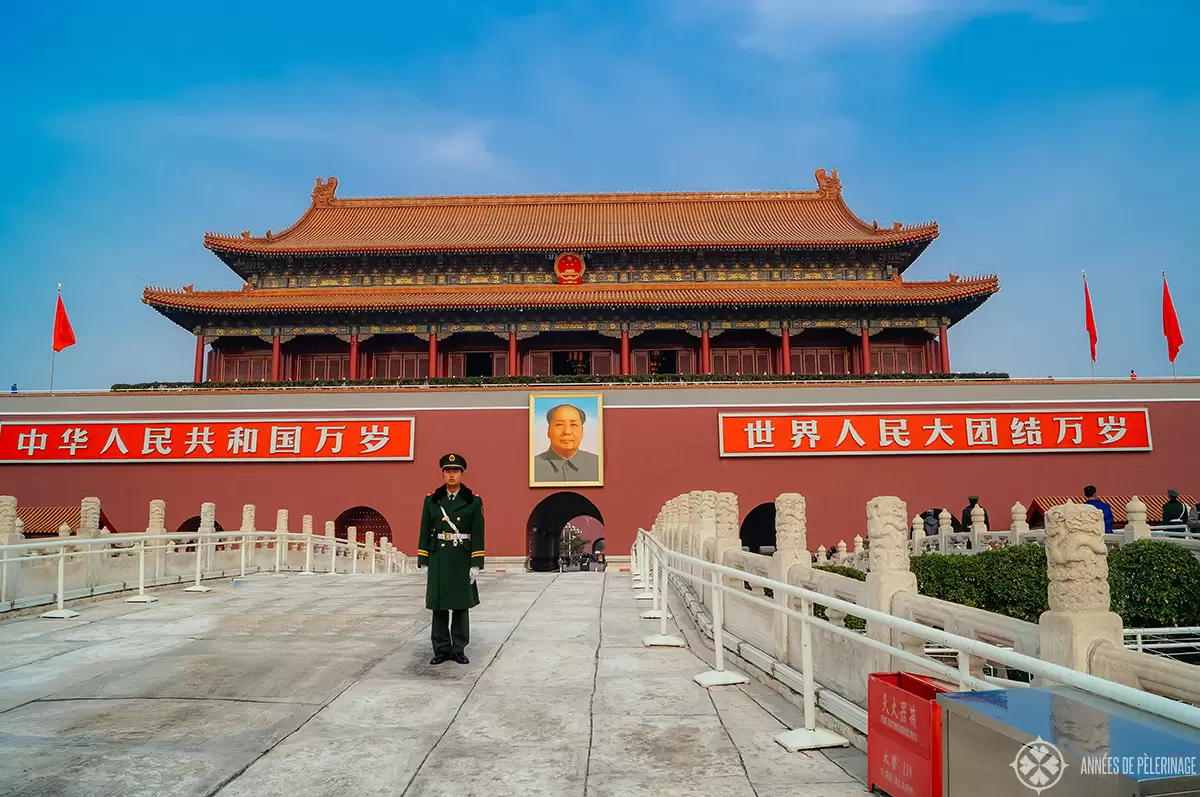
(904, 734)
(1006, 431)
(224, 440)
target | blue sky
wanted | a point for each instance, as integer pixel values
(1044, 137)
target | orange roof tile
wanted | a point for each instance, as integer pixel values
(468, 297)
(45, 520)
(575, 221)
(1154, 503)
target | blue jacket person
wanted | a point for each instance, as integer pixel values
(450, 555)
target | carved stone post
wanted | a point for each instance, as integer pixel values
(727, 531)
(945, 529)
(205, 533)
(1018, 526)
(695, 505)
(158, 525)
(9, 571)
(887, 531)
(89, 529)
(978, 527)
(1136, 527)
(791, 548)
(708, 521)
(331, 547)
(1077, 565)
(918, 535)
(281, 543)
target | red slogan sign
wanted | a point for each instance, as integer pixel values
(208, 441)
(1005, 431)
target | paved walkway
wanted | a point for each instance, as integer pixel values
(296, 686)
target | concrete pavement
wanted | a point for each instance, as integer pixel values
(320, 685)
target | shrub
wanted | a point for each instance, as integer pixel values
(1155, 583)
(949, 577)
(856, 623)
(1013, 581)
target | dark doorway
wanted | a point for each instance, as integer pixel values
(758, 528)
(570, 362)
(478, 363)
(193, 524)
(545, 526)
(363, 519)
(663, 362)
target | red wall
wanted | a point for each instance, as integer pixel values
(651, 454)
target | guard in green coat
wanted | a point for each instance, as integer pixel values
(450, 555)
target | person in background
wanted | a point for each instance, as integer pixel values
(966, 515)
(1089, 493)
(1174, 512)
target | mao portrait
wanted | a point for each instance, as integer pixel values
(566, 440)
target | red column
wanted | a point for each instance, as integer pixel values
(276, 357)
(514, 367)
(624, 352)
(945, 348)
(865, 347)
(198, 372)
(705, 353)
(433, 354)
(354, 356)
(785, 351)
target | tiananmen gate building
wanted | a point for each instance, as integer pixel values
(590, 356)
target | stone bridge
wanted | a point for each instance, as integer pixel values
(280, 684)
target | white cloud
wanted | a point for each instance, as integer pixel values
(803, 28)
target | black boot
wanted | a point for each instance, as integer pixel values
(438, 658)
(461, 658)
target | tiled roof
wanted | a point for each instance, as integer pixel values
(469, 297)
(45, 520)
(1154, 503)
(575, 221)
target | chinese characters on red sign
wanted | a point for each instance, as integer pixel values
(208, 441)
(952, 432)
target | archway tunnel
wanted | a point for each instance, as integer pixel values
(544, 530)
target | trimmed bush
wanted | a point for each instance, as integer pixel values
(1155, 583)
(856, 623)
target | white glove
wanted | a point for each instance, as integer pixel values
(474, 573)
(424, 571)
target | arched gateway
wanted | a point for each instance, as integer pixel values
(547, 521)
(363, 519)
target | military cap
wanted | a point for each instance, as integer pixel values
(453, 461)
(972, 498)
(1173, 493)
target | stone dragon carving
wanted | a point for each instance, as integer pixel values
(1077, 559)
(887, 532)
(791, 525)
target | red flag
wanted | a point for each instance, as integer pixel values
(1091, 319)
(1170, 323)
(64, 336)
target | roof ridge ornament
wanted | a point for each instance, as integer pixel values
(323, 192)
(828, 185)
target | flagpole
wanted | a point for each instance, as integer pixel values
(52, 352)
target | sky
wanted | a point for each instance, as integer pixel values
(1046, 137)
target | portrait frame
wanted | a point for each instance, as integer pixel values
(546, 467)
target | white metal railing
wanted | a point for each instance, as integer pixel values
(60, 549)
(1170, 642)
(654, 559)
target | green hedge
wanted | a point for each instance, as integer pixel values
(480, 381)
(856, 623)
(1152, 582)
(1155, 584)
